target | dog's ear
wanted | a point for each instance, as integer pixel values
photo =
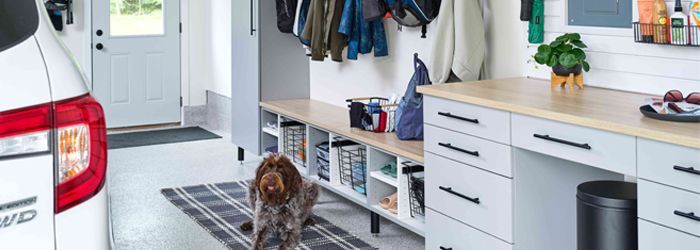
(292, 176)
(261, 170)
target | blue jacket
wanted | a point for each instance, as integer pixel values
(362, 36)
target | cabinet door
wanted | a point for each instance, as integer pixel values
(245, 88)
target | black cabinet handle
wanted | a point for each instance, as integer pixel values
(449, 145)
(687, 170)
(445, 248)
(449, 190)
(447, 114)
(565, 142)
(690, 215)
(252, 19)
(99, 46)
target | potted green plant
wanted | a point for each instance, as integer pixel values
(564, 55)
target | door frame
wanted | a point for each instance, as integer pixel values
(184, 51)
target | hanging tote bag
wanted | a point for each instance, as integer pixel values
(409, 115)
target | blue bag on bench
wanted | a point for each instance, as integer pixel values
(409, 115)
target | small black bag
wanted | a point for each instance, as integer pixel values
(286, 12)
(374, 10)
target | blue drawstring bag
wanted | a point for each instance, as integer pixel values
(409, 114)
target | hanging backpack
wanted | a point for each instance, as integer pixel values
(286, 11)
(409, 114)
(414, 13)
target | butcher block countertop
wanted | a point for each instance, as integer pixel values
(336, 120)
(604, 109)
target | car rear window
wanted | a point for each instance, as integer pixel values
(18, 21)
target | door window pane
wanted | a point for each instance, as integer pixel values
(136, 17)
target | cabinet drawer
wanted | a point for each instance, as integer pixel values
(487, 155)
(669, 164)
(468, 119)
(473, 196)
(601, 149)
(669, 206)
(655, 237)
(445, 233)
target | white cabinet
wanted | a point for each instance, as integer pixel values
(673, 165)
(655, 237)
(669, 206)
(445, 233)
(473, 196)
(468, 119)
(592, 147)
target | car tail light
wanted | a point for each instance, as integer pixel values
(81, 144)
(25, 131)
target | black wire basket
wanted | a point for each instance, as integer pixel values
(352, 161)
(416, 188)
(667, 34)
(294, 141)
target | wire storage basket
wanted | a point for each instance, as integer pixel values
(374, 114)
(677, 35)
(323, 161)
(352, 161)
(416, 188)
(294, 141)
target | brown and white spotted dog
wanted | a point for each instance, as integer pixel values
(282, 202)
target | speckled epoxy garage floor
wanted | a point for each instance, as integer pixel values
(143, 219)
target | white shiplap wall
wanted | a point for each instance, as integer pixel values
(617, 61)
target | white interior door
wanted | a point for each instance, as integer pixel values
(136, 60)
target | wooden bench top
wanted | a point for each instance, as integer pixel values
(336, 120)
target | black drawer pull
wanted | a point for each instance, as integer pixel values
(687, 170)
(449, 145)
(565, 142)
(445, 248)
(690, 215)
(450, 115)
(449, 190)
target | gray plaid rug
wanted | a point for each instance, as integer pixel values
(221, 208)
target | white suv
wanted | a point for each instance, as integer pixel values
(53, 142)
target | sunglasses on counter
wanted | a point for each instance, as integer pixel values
(677, 96)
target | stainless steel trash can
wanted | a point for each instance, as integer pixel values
(606, 215)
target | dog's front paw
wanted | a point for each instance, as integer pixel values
(247, 226)
(310, 222)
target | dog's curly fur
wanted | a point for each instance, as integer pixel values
(282, 202)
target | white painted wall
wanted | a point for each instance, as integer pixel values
(209, 49)
(333, 82)
(618, 62)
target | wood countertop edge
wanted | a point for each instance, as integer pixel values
(399, 152)
(566, 118)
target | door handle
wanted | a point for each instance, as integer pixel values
(450, 191)
(450, 115)
(690, 215)
(99, 32)
(687, 170)
(252, 19)
(445, 248)
(449, 145)
(565, 142)
(99, 46)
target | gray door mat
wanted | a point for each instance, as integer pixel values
(157, 137)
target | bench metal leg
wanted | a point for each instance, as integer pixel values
(241, 156)
(374, 217)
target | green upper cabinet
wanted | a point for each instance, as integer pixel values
(600, 13)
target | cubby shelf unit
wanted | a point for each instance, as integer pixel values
(377, 186)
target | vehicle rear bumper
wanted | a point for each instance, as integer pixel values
(85, 226)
